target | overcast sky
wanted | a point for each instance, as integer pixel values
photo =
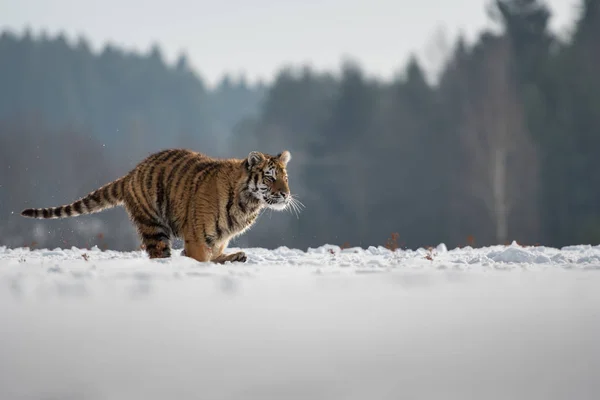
(258, 37)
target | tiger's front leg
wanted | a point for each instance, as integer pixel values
(220, 258)
(203, 253)
(197, 250)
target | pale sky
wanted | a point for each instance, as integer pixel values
(258, 37)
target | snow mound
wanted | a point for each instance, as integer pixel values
(515, 255)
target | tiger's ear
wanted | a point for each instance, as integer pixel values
(254, 158)
(285, 157)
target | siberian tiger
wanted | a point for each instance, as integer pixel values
(182, 193)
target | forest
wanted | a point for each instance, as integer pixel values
(502, 146)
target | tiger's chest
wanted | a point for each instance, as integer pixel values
(241, 223)
(239, 218)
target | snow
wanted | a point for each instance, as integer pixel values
(502, 322)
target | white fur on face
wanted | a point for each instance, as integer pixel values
(262, 191)
(259, 191)
(279, 206)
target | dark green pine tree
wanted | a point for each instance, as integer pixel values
(526, 24)
(409, 146)
(341, 156)
(578, 96)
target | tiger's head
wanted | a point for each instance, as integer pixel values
(268, 180)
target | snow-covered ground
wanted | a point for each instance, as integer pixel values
(489, 323)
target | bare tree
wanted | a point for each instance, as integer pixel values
(501, 158)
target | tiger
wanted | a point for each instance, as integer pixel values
(180, 193)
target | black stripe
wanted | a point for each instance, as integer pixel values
(58, 211)
(198, 169)
(77, 207)
(101, 197)
(46, 213)
(67, 210)
(105, 195)
(121, 188)
(148, 222)
(161, 194)
(228, 209)
(147, 187)
(135, 202)
(155, 156)
(177, 164)
(204, 167)
(133, 206)
(181, 174)
(156, 236)
(218, 230)
(202, 175)
(150, 212)
(166, 155)
(129, 203)
(29, 212)
(86, 203)
(144, 195)
(160, 191)
(242, 206)
(95, 197)
(112, 191)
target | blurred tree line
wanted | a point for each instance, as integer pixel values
(502, 147)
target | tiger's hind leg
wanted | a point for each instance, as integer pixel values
(156, 238)
(157, 245)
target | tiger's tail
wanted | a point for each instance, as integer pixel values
(108, 196)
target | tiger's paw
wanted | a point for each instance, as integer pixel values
(240, 256)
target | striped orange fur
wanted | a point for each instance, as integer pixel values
(182, 193)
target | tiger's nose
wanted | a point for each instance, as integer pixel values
(284, 194)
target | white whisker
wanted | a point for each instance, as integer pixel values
(295, 205)
(296, 201)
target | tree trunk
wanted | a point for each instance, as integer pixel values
(500, 195)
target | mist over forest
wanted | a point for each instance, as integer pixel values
(503, 146)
